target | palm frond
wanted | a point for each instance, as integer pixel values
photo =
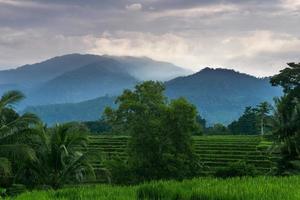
(10, 98)
(17, 152)
(17, 125)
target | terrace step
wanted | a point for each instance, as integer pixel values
(215, 152)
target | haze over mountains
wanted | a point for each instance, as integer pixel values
(76, 77)
(78, 87)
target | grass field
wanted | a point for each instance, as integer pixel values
(258, 188)
(215, 152)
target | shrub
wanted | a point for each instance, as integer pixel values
(237, 169)
(120, 171)
(2, 192)
(16, 189)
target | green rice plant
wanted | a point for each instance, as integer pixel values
(245, 188)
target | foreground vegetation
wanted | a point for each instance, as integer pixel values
(263, 188)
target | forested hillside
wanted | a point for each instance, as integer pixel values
(221, 95)
(84, 111)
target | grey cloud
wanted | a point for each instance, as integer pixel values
(32, 30)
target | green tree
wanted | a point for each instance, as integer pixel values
(202, 123)
(217, 129)
(12, 128)
(287, 113)
(263, 111)
(60, 157)
(288, 79)
(246, 124)
(160, 144)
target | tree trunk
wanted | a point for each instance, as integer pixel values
(262, 126)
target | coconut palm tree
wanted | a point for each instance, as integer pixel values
(60, 156)
(12, 125)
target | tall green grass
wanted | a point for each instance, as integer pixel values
(258, 188)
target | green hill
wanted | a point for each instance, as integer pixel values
(221, 95)
(84, 111)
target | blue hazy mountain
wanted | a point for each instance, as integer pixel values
(220, 95)
(105, 77)
(84, 111)
(76, 77)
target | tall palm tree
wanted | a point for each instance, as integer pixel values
(11, 126)
(263, 109)
(60, 158)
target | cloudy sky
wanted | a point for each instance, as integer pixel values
(252, 36)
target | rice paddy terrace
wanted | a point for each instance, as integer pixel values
(215, 152)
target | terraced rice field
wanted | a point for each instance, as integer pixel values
(215, 152)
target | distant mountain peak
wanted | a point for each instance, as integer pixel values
(221, 94)
(76, 77)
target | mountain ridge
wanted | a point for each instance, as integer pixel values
(216, 92)
(46, 82)
(220, 95)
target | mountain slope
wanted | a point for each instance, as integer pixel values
(76, 77)
(221, 95)
(88, 82)
(83, 111)
(143, 68)
(46, 70)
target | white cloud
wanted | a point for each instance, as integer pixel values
(19, 47)
(259, 42)
(23, 3)
(260, 52)
(166, 47)
(134, 7)
(291, 4)
(197, 11)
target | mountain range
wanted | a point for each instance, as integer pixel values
(75, 77)
(78, 87)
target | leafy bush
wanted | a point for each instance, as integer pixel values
(217, 129)
(2, 192)
(237, 169)
(121, 172)
(16, 189)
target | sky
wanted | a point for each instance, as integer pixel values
(253, 36)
